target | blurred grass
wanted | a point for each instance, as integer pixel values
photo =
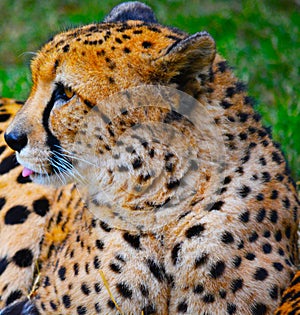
(259, 38)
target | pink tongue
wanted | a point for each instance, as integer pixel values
(26, 172)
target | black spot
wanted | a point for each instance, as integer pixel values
(144, 290)
(8, 164)
(222, 293)
(105, 226)
(118, 40)
(222, 66)
(276, 157)
(243, 136)
(2, 148)
(237, 260)
(111, 304)
(274, 194)
(16, 215)
(137, 163)
(260, 215)
(260, 197)
(62, 273)
(236, 285)
(259, 309)
(267, 248)
(262, 161)
(23, 258)
(244, 217)
(151, 153)
(231, 308)
(4, 117)
(253, 237)
(278, 266)
(227, 238)
(273, 216)
(146, 44)
(97, 287)
(208, 298)
(260, 274)
(173, 183)
(149, 310)
(2, 203)
(157, 270)
(97, 308)
(198, 289)
(266, 177)
(245, 159)
(41, 206)
(240, 244)
(47, 282)
(195, 230)
(99, 244)
(85, 289)
(126, 50)
(66, 301)
(244, 191)
(230, 91)
(217, 269)
(96, 262)
(250, 256)
(3, 264)
(81, 310)
(274, 292)
(182, 307)
(124, 289)
(286, 203)
(201, 260)
(214, 206)
(227, 180)
(243, 116)
(53, 305)
(174, 253)
(278, 236)
(14, 295)
(225, 104)
(66, 48)
(132, 240)
(279, 177)
(114, 267)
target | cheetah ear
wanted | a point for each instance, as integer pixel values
(187, 58)
(132, 10)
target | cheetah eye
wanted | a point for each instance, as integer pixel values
(62, 94)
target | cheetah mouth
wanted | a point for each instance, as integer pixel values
(28, 172)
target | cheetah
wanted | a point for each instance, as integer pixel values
(171, 197)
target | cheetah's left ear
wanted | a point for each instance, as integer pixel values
(187, 58)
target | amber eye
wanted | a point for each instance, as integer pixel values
(69, 93)
(61, 94)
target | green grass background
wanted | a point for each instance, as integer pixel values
(259, 38)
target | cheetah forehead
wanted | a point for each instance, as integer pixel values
(132, 40)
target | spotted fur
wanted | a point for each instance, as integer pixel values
(232, 250)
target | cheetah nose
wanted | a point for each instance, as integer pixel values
(16, 140)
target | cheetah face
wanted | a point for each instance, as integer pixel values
(77, 70)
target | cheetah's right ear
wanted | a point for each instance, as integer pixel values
(132, 10)
(187, 58)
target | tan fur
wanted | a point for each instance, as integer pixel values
(231, 249)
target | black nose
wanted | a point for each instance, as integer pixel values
(16, 140)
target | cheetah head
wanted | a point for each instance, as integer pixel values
(74, 75)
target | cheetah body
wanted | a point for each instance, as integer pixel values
(230, 250)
